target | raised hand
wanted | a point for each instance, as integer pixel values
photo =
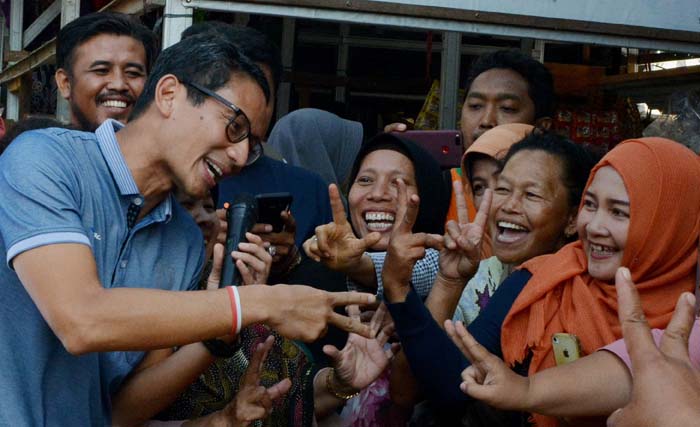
(252, 260)
(666, 387)
(405, 247)
(460, 258)
(335, 244)
(488, 378)
(253, 401)
(362, 359)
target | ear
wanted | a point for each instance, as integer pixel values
(63, 82)
(166, 94)
(544, 123)
(571, 228)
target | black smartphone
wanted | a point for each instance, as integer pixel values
(270, 206)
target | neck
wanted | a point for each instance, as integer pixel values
(140, 144)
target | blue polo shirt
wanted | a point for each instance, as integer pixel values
(62, 186)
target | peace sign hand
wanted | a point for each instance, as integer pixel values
(335, 244)
(460, 258)
(666, 386)
(405, 247)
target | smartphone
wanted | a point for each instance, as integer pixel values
(270, 206)
(444, 145)
(567, 348)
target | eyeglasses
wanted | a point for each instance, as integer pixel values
(238, 127)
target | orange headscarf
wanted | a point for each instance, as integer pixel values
(494, 143)
(662, 179)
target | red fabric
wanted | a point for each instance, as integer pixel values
(662, 179)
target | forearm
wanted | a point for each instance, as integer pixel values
(591, 386)
(145, 319)
(324, 401)
(403, 387)
(434, 360)
(151, 390)
(444, 297)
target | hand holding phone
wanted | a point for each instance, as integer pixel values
(271, 206)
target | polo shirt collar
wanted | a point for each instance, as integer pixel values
(107, 141)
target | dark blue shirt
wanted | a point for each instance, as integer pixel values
(311, 206)
(435, 360)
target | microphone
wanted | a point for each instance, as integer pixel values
(240, 216)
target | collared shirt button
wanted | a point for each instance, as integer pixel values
(123, 264)
(137, 201)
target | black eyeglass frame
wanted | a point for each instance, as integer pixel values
(237, 111)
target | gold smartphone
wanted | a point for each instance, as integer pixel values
(567, 348)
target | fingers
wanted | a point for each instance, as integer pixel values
(407, 211)
(452, 332)
(280, 389)
(331, 351)
(337, 207)
(261, 228)
(462, 213)
(482, 215)
(252, 373)
(354, 312)
(674, 342)
(311, 248)
(635, 329)
(350, 325)
(370, 240)
(475, 352)
(348, 298)
(395, 127)
(377, 319)
(323, 233)
(290, 224)
(218, 260)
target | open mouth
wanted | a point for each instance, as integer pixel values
(215, 171)
(379, 221)
(114, 103)
(601, 252)
(510, 232)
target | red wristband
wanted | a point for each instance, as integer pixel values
(235, 313)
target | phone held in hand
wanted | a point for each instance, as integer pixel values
(567, 348)
(444, 145)
(270, 206)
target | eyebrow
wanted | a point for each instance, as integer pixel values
(611, 201)
(109, 64)
(499, 96)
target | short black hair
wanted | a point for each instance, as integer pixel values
(206, 59)
(254, 44)
(539, 79)
(88, 26)
(576, 161)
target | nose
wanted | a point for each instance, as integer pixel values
(488, 118)
(238, 152)
(381, 190)
(596, 225)
(117, 81)
(512, 203)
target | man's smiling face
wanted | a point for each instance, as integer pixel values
(108, 73)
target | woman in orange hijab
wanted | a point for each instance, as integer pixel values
(641, 210)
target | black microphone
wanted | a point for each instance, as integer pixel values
(241, 215)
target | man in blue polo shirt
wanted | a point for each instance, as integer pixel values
(93, 241)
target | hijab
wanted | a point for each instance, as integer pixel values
(493, 143)
(662, 179)
(434, 195)
(319, 141)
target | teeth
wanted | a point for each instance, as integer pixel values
(114, 103)
(379, 216)
(601, 248)
(511, 226)
(213, 169)
(379, 226)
